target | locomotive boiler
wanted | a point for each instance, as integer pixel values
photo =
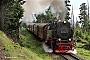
(57, 35)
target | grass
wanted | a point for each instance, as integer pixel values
(83, 52)
(33, 44)
(12, 49)
(16, 52)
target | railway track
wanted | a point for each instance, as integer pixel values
(71, 57)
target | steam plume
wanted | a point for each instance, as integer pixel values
(39, 6)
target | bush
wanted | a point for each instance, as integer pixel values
(79, 35)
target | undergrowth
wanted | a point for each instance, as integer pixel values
(29, 41)
(82, 51)
(16, 52)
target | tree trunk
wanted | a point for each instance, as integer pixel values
(1, 18)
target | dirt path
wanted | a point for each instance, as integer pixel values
(3, 55)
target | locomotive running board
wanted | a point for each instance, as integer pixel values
(46, 48)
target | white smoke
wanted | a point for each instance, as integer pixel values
(39, 6)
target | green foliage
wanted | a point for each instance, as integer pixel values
(13, 12)
(77, 24)
(15, 51)
(83, 32)
(84, 17)
(79, 45)
(78, 32)
(82, 52)
(30, 42)
(41, 18)
(80, 35)
(67, 2)
(45, 18)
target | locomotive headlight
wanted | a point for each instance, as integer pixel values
(64, 22)
(59, 39)
(72, 47)
(70, 39)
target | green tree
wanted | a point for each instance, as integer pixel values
(77, 24)
(2, 10)
(67, 2)
(12, 12)
(78, 33)
(83, 16)
(82, 32)
(41, 18)
(45, 18)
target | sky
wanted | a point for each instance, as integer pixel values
(76, 5)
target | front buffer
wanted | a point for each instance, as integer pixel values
(65, 48)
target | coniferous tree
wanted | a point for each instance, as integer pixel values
(83, 16)
(12, 12)
(67, 2)
(77, 24)
(42, 18)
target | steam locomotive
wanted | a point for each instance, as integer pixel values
(57, 35)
